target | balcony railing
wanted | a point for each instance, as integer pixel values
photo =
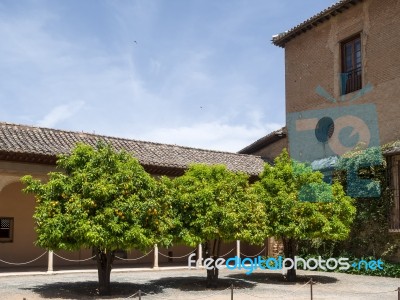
(350, 81)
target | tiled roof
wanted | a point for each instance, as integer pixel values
(41, 145)
(392, 148)
(264, 141)
(393, 151)
(337, 8)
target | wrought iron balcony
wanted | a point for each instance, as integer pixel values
(350, 81)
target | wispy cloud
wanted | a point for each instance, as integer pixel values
(60, 113)
(203, 75)
(214, 135)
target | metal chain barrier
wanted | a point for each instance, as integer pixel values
(253, 255)
(239, 291)
(355, 293)
(74, 260)
(130, 259)
(155, 296)
(141, 293)
(247, 294)
(227, 253)
(131, 296)
(23, 263)
(216, 293)
(176, 257)
(279, 296)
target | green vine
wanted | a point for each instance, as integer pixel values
(369, 234)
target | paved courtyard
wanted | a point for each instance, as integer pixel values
(181, 283)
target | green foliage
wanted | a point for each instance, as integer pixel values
(369, 234)
(389, 269)
(370, 231)
(299, 205)
(361, 164)
(100, 198)
(213, 203)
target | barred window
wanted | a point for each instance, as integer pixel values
(6, 229)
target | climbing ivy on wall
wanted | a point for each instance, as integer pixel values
(369, 234)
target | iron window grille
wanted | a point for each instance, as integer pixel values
(6, 229)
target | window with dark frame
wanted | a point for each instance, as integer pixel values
(351, 65)
(397, 225)
(6, 229)
(395, 214)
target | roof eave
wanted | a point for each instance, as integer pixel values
(264, 141)
(44, 159)
(392, 152)
(314, 21)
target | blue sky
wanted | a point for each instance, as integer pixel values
(198, 73)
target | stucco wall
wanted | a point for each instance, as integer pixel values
(272, 150)
(19, 206)
(14, 203)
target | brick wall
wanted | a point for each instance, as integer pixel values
(313, 59)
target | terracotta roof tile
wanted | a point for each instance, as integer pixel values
(265, 141)
(340, 6)
(21, 142)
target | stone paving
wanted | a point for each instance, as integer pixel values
(181, 283)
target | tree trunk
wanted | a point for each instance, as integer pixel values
(212, 275)
(104, 266)
(290, 251)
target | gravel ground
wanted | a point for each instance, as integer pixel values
(190, 284)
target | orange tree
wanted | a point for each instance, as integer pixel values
(301, 206)
(100, 199)
(213, 204)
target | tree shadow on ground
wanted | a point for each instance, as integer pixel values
(89, 289)
(198, 283)
(83, 290)
(278, 278)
